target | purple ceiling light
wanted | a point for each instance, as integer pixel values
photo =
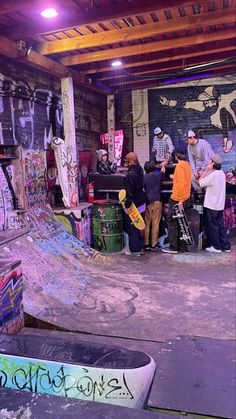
(49, 13)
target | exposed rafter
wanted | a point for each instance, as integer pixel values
(149, 37)
(166, 66)
(95, 15)
(171, 57)
(148, 47)
(187, 23)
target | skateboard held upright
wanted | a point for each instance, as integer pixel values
(185, 231)
(135, 216)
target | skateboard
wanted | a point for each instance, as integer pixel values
(186, 233)
(194, 222)
(135, 216)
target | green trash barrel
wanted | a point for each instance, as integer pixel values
(107, 222)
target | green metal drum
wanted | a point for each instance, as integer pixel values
(107, 226)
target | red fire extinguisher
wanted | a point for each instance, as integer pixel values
(90, 192)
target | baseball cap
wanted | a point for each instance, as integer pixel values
(191, 133)
(157, 130)
(217, 159)
(101, 153)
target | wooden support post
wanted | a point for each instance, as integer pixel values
(70, 138)
(111, 126)
(140, 124)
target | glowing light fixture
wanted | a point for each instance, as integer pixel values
(116, 63)
(49, 13)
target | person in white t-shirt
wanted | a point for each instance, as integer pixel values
(213, 179)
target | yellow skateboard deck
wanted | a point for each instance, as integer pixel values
(135, 216)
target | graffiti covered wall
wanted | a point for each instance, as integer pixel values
(209, 109)
(30, 107)
(90, 120)
(11, 295)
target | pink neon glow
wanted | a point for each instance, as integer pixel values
(48, 13)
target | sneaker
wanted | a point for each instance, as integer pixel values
(136, 254)
(154, 247)
(168, 250)
(213, 250)
(227, 250)
(126, 253)
(147, 247)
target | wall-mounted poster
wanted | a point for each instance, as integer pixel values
(118, 143)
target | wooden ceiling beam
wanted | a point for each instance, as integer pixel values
(157, 61)
(177, 64)
(135, 32)
(68, 20)
(33, 59)
(16, 5)
(132, 76)
(150, 47)
(152, 82)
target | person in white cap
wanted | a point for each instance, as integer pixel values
(105, 167)
(162, 145)
(213, 179)
(199, 153)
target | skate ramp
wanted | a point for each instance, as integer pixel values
(155, 297)
(65, 281)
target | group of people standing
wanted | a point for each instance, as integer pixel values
(198, 168)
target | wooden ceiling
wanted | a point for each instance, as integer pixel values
(154, 40)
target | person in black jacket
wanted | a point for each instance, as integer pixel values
(104, 166)
(134, 194)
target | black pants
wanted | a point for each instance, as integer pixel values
(135, 238)
(215, 230)
(173, 227)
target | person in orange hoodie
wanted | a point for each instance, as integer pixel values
(180, 195)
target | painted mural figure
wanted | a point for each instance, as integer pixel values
(217, 107)
(199, 153)
(162, 145)
(213, 179)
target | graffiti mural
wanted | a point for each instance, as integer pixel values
(11, 295)
(6, 202)
(34, 163)
(104, 384)
(27, 115)
(77, 222)
(230, 212)
(211, 111)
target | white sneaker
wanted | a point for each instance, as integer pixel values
(227, 250)
(168, 250)
(213, 250)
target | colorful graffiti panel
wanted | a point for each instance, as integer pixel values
(11, 296)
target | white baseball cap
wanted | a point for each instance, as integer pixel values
(157, 130)
(191, 133)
